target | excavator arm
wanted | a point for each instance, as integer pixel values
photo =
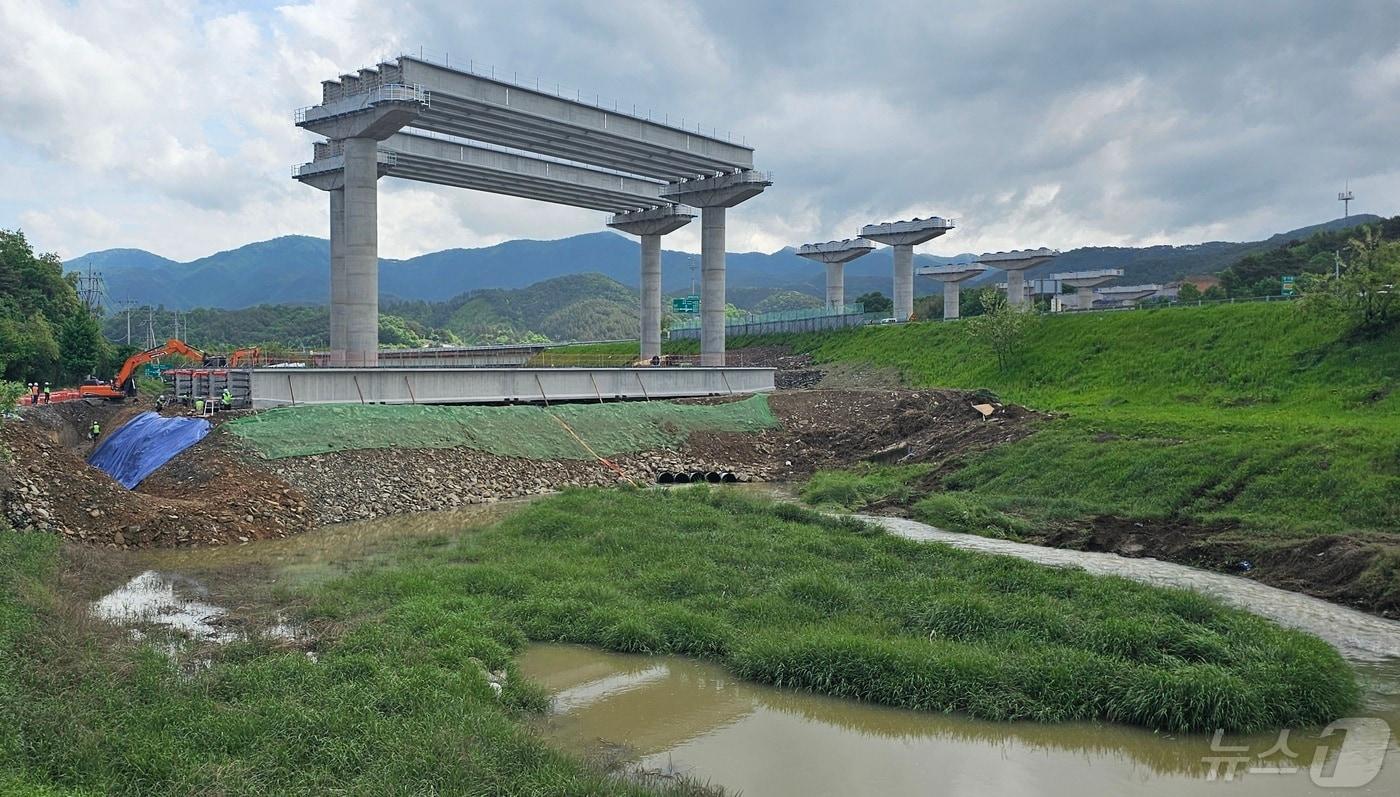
(119, 387)
(242, 356)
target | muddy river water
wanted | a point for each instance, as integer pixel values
(671, 714)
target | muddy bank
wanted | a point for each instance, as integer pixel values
(201, 497)
(1356, 569)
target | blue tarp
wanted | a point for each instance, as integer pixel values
(143, 444)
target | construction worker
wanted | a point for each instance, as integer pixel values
(199, 406)
(95, 432)
(48, 393)
(33, 393)
(226, 400)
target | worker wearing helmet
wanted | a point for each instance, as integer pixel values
(226, 400)
(48, 393)
(95, 431)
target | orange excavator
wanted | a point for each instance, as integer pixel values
(248, 356)
(124, 384)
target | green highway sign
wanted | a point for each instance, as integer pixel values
(1287, 285)
(685, 304)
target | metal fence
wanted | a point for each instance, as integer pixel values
(779, 315)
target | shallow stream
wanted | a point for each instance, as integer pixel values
(670, 714)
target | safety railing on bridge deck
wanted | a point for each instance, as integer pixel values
(389, 92)
(385, 157)
(739, 358)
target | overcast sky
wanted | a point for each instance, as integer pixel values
(167, 125)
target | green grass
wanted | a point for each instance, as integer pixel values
(392, 707)
(862, 485)
(782, 595)
(1251, 414)
(777, 593)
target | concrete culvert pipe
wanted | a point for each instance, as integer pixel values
(697, 476)
(680, 478)
(728, 478)
(714, 477)
(665, 477)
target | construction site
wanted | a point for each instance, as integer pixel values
(801, 551)
(249, 473)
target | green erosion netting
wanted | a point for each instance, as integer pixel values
(515, 431)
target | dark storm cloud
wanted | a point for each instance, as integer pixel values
(1141, 119)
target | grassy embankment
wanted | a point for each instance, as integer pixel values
(1246, 414)
(1241, 414)
(776, 593)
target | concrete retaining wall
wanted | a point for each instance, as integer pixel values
(815, 324)
(274, 387)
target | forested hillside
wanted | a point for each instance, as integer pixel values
(576, 307)
(1258, 274)
(293, 269)
(46, 334)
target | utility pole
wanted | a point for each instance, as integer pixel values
(127, 304)
(1345, 197)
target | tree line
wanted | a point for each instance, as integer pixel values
(47, 334)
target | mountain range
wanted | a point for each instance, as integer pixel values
(293, 269)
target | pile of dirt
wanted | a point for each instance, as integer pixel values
(800, 371)
(833, 428)
(201, 497)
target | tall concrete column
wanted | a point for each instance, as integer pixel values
(650, 225)
(651, 296)
(835, 255)
(361, 252)
(1084, 297)
(835, 286)
(903, 281)
(952, 299)
(1016, 287)
(952, 276)
(712, 286)
(338, 329)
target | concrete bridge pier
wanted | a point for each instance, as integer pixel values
(904, 236)
(714, 195)
(952, 278)
(1084, 283)
(1015, 265)
(650, 225)
(836, 254)
(339, 332)
(712, 293)
(359, 301)
(355, 125)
